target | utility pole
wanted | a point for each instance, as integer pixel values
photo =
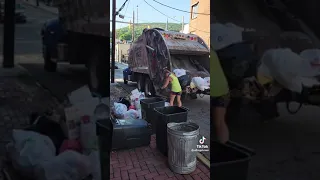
(113, 63)
(37, 2)
(137, 14)
(167, 25)
(182, 29)
(8, 34)
(133, 27)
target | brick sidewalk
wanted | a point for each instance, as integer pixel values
(148, 163)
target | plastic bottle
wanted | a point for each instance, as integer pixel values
(137, 104)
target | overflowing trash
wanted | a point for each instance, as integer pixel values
(60, 147)
(193, 83)
(291, 70)
(201, 83)
(129, 107)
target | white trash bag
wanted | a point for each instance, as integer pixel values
(287, 68)
(225, 35)
(131, 114)
(313, 56)
(179, 72)
(28, 149)
(69, 165)
(207, 81)
(120, 109)
(199, 83)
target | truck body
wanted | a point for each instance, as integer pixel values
(80, 35)
(157, 49)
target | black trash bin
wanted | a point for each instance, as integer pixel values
(167, 115)
(147, 110)
(229, 161)
(104, 133)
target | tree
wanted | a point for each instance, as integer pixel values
(125, 32)
(126, 36)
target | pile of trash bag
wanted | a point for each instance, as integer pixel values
(60, 146)
(196, 83)
(43, 153)
(129, 107)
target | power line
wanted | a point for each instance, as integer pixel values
(127, 7)
(173, 18)
(179, 9)
(120, 9)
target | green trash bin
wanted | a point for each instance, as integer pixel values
(147, 110)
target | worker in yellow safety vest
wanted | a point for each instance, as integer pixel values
(219, 92)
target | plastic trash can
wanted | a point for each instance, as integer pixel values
(165, 115)
(147, 110)
(229, 161)
(104, 133)
(182, 142)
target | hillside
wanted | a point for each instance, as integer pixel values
(125, 33)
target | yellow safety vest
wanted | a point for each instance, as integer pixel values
(175, 85)
(218, 82)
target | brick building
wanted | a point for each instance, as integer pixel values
(200, 23)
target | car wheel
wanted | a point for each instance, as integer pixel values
(49, 66)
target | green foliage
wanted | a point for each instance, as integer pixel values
(125, 33)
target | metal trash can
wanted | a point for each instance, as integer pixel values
(147, 110)
(104, 133)
(165, 115)
(182, 143)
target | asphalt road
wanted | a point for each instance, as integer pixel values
(28, 53)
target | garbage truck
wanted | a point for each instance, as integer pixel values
(80, 35)
(156, 50)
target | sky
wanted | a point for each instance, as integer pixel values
(147, 14)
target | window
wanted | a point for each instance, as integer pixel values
(194, 11)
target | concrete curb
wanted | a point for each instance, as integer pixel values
(203, 159)
(41, 6)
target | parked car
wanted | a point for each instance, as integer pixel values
(19, 13)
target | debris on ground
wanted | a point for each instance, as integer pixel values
(59, 146)
(128, 107)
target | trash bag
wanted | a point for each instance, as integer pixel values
(29, 149)
(120, 110)
(184, 81)
(131, 114)
(179, 72)
(69, 165)
(47, 127)
(199, 82)
(124, 101)
(238, 61)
